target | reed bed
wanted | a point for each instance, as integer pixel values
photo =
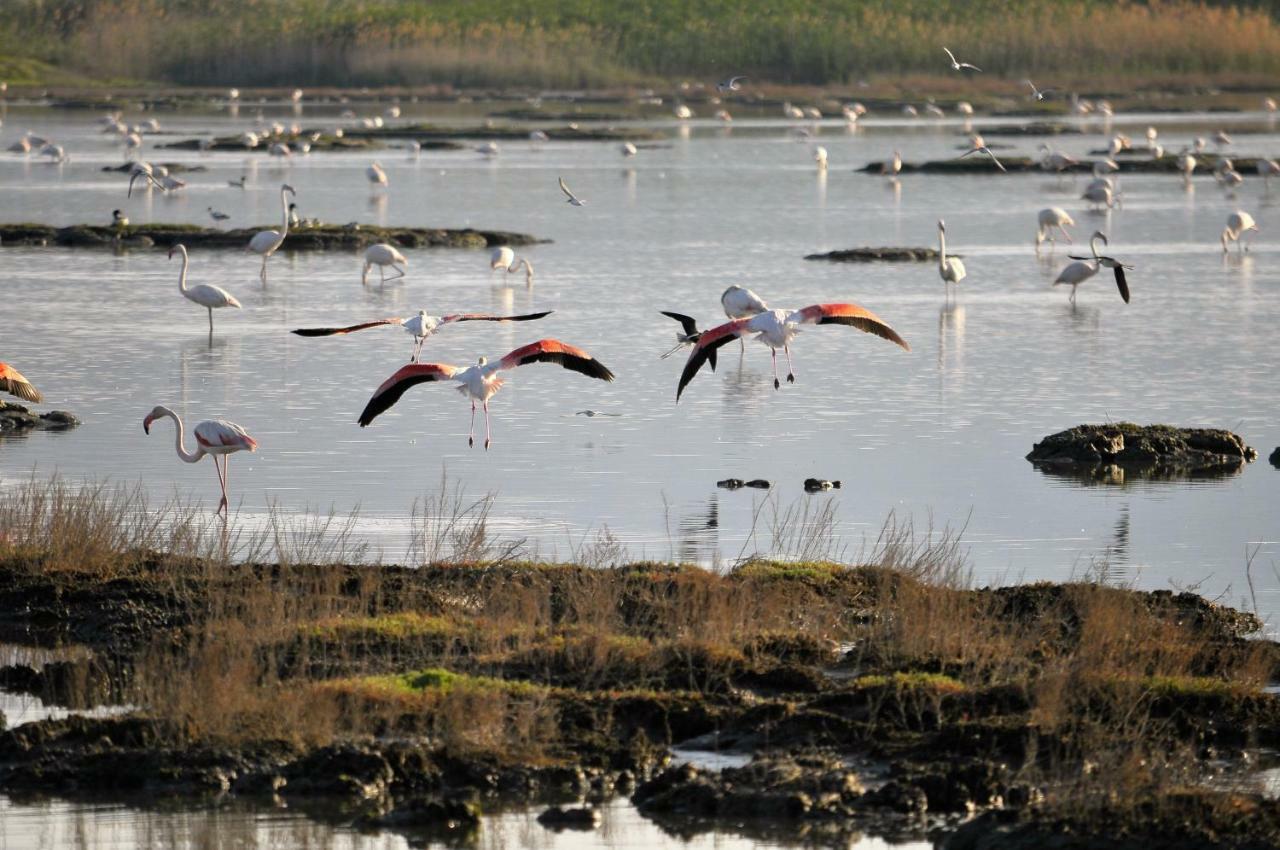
(580, 43)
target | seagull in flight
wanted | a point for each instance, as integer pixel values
(592, 413)
(731, 84)
(985, 150)
(1037, 94)
(573, 199)
(960, 66)
(218, 216)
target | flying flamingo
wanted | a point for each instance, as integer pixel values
(481, 381)
(421, 326)
(216, 437)
(12, 382)
(268, 241)
(777, 328)
(204, 294)
(950, 269)
(1238, 223)
(382, 255)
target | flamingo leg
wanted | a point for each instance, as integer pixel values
(226, 481)
(774, 354)
(210, 309)
(486, 425)
(1073, 292)
(222, 485)
(263, 274)
(382, 274)
(399, 271)
(1065, 234)
(791, 372)
(471, 437)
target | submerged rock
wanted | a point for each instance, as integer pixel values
(884, 255)
(312, 238)
(1109, 452)
(17, 417)
(570, 817)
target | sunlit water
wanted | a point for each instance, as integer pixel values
(936, 436)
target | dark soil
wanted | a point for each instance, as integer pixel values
(16, 418)
(1140, 163)
(882, 255)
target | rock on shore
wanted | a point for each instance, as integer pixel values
(1144, 449)
(18, 417)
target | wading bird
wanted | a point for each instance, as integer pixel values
(376, 175)
(382, 255)
(820, 157)
(573, 199)
(891, 167)
(1086, 267)
(959, 66)
(741, 303)
(777, 328)
(268, 241)
(216, 437)
(688, 335)
(950, 269)
(1238, 223)
(1106, 263)
(481, 381)
(731, 84)
(421, 326)
(217, 216)
(1047, 220)
(142, 170)
(1268, 168)
(12, 382)
(206, 295)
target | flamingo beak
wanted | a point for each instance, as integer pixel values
(171, 252)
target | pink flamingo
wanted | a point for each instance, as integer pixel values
(216, 437)
(777, 328)
(481, 381)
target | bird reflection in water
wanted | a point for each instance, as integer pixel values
(698, 534)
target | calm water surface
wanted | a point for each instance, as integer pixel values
(936, 437)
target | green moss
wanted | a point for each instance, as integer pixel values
(434, 680)
(811, 571)
(1193, 686)
(399, 626)
(916, 681)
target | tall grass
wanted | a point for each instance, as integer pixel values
(572, 43)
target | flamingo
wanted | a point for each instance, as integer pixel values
(741, 303)
(1186, 164)
(960, 66)
(206, 295)
(501, 258)
(216, 437)
(1268, 168)
(481, 381)
(890, 168)
(1238, 223)
(376, 175)
(421, 326)
(1055, 160)
(684, 113)
(965, 108)
(1047, 219)
(268, 241)
(1108, 263)
(382, 255)
(573, 199)
(515, 266)
(1086, 267)
(777, 328)
(820, 157)
(950, 269)
(143, 170)
(1098, 193)
(12, 382)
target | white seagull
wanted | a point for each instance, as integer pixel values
(960, 66)
(573, 199)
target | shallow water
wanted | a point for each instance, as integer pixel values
(935, 437)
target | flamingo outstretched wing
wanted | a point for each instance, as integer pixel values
(12, 382)
(486, 317)
(385, 396)
(847, 314)
(394, 320)
(707, 344)
(555, 351)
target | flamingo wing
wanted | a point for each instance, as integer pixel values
(1121, 283)
(486, 317)
(385, 396)
(12, 382)
(847, 314)
(219, 433)
(555, 351)
(394, 320)
(706, 347)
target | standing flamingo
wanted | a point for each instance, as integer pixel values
(1086, 267)
(268, 241)
(12, 382)
(216, 437)
(376, 175)
(777, 328)
(504, 258)
(382, 255)
(204, 294)
(1047, 220)
(421, 326)
(1238, 223)
(950, 269)
(481, 381)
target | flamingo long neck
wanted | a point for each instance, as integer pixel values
(182, 287)
(189, 457)
(942, 249)
(284, 205)
(1093, 246)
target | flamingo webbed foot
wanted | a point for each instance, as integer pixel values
(777, 385)
(791, 378)
(487, 441)
(471, 441)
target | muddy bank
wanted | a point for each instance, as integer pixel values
(568, 132)
(1167, 164)
(17, 418)
(1122, 450)
(881, 255)
(310, 141)
(311, 238)
(867, 698)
